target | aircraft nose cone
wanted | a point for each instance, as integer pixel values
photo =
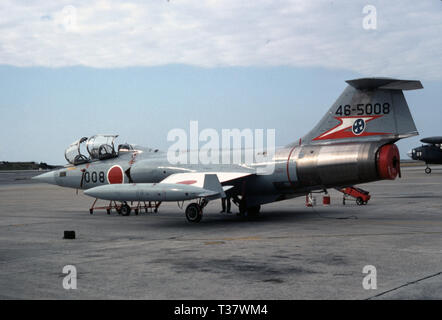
(409, 154)
(48, 177)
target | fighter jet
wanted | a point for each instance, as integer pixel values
(431, 153)
(353, 143)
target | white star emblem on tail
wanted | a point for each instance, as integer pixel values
(358, 126)
(349, 127)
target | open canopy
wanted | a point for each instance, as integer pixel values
(101, 146)
(73, 153)
(98, 147)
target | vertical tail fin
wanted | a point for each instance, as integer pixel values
(369, 109)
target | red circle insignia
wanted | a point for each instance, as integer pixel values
(115, 175)
(187, 182)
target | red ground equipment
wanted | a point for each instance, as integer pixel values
(360, 195)
(125, 209)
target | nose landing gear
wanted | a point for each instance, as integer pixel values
(427, 170)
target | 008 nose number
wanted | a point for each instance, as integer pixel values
(94, 177)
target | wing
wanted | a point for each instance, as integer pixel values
(432, 140)
(197, 178)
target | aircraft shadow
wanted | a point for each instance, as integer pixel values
(266, 217)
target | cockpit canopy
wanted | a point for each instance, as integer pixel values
(99, 147)
(73, 153)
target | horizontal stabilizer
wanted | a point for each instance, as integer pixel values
(384, 83)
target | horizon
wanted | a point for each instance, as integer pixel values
(74, 69)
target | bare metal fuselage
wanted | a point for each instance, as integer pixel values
(296, 171)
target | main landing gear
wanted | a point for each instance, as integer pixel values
(253, 211)
(250, 212)
(246, 211)
(194, 211)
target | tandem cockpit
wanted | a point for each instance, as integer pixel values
(98, 147)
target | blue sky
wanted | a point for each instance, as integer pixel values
(139, 69)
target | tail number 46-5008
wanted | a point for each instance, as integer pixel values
(363, 109)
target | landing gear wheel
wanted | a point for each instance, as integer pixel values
(427, 170)
(125, 210)
(359, 201)
(108, 211)
(242, 208)
(253, 211)
(194, 213)
(91, 211)
(136, 212)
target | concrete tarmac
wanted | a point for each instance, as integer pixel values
(290, 252)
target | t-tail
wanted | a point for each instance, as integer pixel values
(354, 142)
(369, 109)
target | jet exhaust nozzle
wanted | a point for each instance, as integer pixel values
(388, 161)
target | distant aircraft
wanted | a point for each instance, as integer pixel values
(353, 143)
(431, 153)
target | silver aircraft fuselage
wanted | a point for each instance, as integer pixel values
(297, 171)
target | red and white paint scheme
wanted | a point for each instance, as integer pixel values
(197, 178)
(187, 182)
(345, 128)
(115, 175)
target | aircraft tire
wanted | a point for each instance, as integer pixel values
(194, 213)
(242, 207)
(427, 170)
(125, 210)
(253, 211)
(359, 201)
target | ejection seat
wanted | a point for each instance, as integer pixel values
(101, 147)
